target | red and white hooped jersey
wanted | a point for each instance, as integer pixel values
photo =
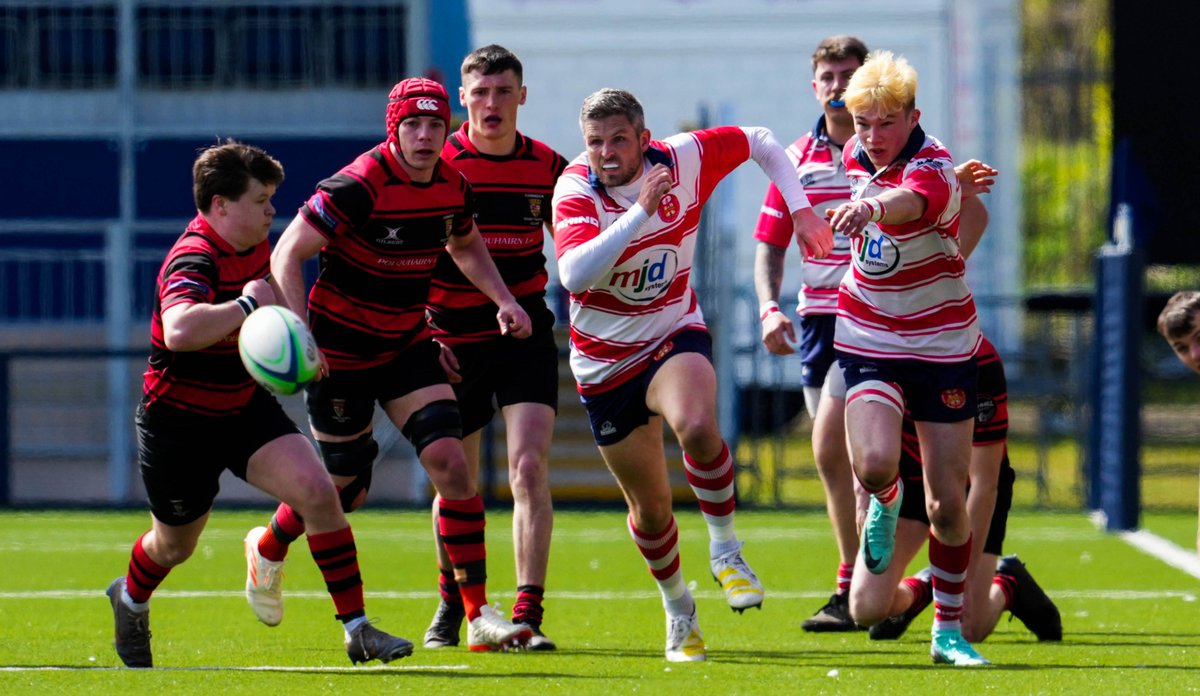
(818, 162)
(906, 296)
(619, 323)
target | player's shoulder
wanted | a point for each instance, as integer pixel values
(931, 156)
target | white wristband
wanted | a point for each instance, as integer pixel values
(766, 309)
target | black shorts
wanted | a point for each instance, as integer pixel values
(616, 413)
(912, 507)
(816, 348)
(344, 402)
(505, 371)
(182, 454)
(933, 392)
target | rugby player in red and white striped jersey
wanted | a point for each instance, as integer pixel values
(626, 214)
(380, 225)
(512, 177)
(907, 332)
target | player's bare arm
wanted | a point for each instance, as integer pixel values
(195, 326)
(470, 254)
(972, 221)
(894, 206)
(813, 233)
(777, 331)
(299, 243)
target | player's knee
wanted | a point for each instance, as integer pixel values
(944, 514)
(698, 433)
(171, 553)
(527, 476)
(353, 459)
(432, 422)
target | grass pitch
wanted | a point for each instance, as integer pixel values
(1131, 623)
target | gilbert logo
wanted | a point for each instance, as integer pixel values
(646, 276)
(427, 104)
(392, 237)
(668, 207)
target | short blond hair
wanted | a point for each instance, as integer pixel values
(885, 82)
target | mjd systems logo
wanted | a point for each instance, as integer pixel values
(874, 253)
(646, 276)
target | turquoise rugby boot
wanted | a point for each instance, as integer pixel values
(879, 532)
(950, 648)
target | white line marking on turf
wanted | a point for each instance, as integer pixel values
(259, 668)
(1166, 551)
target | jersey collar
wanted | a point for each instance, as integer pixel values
(653, 154)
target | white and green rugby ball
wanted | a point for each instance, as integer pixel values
(278, 350)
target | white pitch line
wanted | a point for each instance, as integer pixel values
(252, 668)
(1166, 551)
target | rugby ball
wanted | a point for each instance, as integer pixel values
(278, 350)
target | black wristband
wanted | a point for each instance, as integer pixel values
(247, 303)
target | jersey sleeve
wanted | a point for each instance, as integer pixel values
(934, 179)
(774, 219)
(575, 218)
(722, 150)
(341, 203)
(191, 278)
(466, 218)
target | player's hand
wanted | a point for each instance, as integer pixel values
(323, 370)
(655, 185)
(449, 363)
(812, 233)
(975, 177)
(850, 218)
(261, 291)
(778, 334)
(514, 321)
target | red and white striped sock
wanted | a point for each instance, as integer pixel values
(949, 566)
(844, 573)
(661, 552)
(712, 482)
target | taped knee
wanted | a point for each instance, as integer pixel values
(886, 393)
(435, 420)
(354, 493)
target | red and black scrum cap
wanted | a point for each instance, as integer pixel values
(416, 96)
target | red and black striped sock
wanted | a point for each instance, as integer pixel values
(144, 575)
(337, 557)
(528, 607)
(286, 526)
(1007, 585)
(448, 587)
(922, 593)
(460, 528)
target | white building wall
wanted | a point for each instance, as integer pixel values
(750, 59)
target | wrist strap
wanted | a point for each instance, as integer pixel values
(247, 303)
(766, 309)
(876, 208)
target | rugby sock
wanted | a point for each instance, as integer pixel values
(949, 565)
(460, 528)
(286, 526)
(920, 590)
(143, 576)
(661, 552)
(844, 573)
(528, 607)
(1007, 585)
(337, 557)
(712, 483)
(888, 493)
(448, 587)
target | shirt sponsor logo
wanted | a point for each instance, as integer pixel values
(646, 276)
(577, 220)
(986, 406)
(874, 253)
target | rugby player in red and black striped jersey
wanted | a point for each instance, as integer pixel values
(512, 176)
(380, 225)
(202, 413)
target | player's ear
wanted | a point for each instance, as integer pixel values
(462, 96)
(644, 139)
(523, 95)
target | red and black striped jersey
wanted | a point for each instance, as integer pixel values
(991, 416)
(201, 268)
(512, 204)
(385, 235)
